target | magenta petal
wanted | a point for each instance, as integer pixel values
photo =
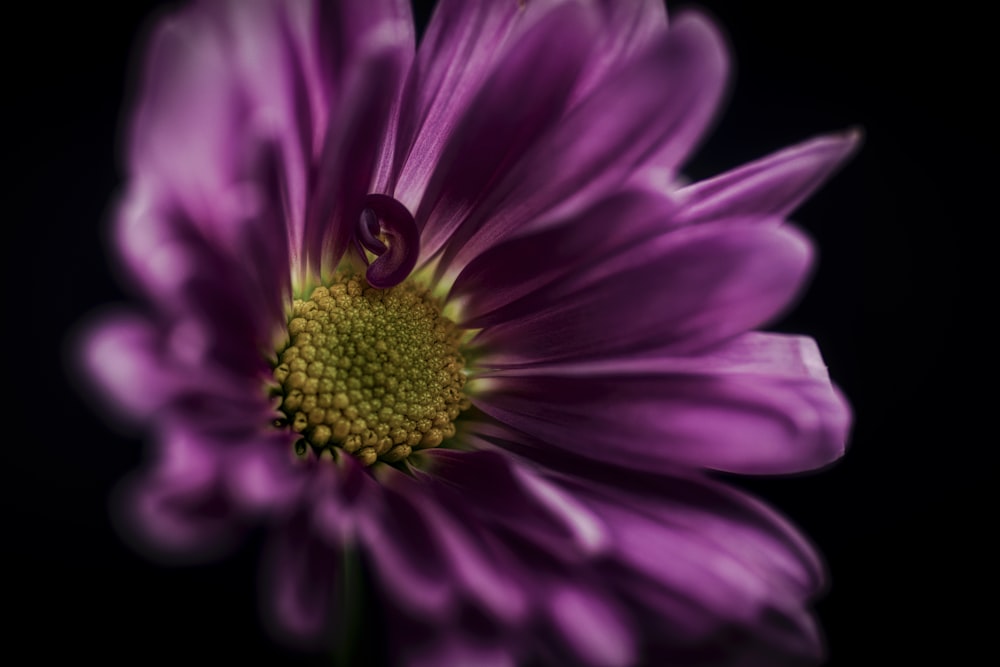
(176, 522)
(590, 625)
(349, 159)
(704, 559)
(498, 489)
(142, 372)
(124, 357)
(263, 477)
(627, 29)
(469, 561)
(759, 404)
(301, 586)
(222, 81)
(771, 186)
(521, 100)
(463, 43)
(401, 544)
(680, 292)
(230, 271)
(535, 259)
(654, 111)
(178, 512)
(457, 651)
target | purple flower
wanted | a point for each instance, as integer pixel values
(452, 311)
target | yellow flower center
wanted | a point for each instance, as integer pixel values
(375, 372)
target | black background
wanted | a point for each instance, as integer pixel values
(904, 520)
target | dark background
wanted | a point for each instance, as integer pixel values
(905, 520)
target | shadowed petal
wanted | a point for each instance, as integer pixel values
(456, 651)
(592, 626)
(534, 259)
(465, 44)
(408, 557)
(706, 561)
(263, 477)
(301, 584)
(761, 403)
(683, 291)
(654, 111)
(467, 556)
(224, 79)
(496, 488)
(179, 511)
(518, 103)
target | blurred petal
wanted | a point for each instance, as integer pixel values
(123, 357)
(409, 558)
(178, 512)
(498, 489)
(456, 651)
(302, 586)
(467, 557)
(590, 626)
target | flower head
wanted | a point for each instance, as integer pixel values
(452, 311)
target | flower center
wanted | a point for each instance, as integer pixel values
(375, 372)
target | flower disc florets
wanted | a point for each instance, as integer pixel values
(377, 373)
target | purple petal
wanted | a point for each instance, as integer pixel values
(627, 29)
(225, 277)
(408, 558)
(771, 186)
(521, 100)
(349, 159)
(592, 626)
(703, 558)
(759, 404)
(222, 80)
(141, 371)
(301, 586)
(226, 79)
(468, 558)
(178, 512)
(369, 230)
(123, 356)
(263, 477)
(653, 111)
(345, 499)
(683, 291)
(533, 260)
(463, 43)
(454, 650)
(497, 489)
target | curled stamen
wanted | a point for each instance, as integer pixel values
(387, 230)
(368, 231)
